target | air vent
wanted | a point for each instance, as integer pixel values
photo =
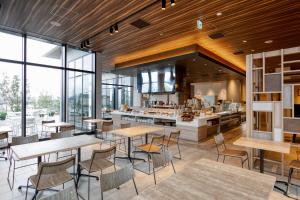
(140, 24)
(215, 36)
(239, 52)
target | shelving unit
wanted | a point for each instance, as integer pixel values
(273, 94)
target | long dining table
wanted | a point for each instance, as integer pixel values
(211, 180)
(133, 132)
(38, 149)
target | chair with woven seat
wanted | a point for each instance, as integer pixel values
(173, 139)
(4, 144)
(50, 175)
(162, 160)
(98, 162)
(58, 136)
(155, 147)
(12, 160)
(117, 178)
(224, 151)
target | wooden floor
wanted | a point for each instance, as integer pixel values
(190, 151)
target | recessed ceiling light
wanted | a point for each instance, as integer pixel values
(161, 34)
(205, 64)
(219, 14)
(268, 41)
(244, 41)
(252, 50)
(194, 60)
(54, 23)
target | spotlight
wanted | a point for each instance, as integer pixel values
(111, 30)
(82, 45)
(163, 4)
(116, 28)
(173, 3)
(87, 42)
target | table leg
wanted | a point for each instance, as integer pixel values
(146, 138)
(56, 128)
(261, 160)
(129, 152)
(294, 138)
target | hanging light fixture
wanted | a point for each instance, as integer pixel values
(173, 3)
(111, 30)
(163, 4)
(116, 28)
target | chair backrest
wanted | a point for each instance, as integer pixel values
(24, 140)
(67, 128)
(116, 179)
(174, 136)
(125, 125)
(65, 194)
(103, 153)
(3, 135)
(220, 141)
(160, 160)
(55, 167)
(158, 140)
(47, 121)
(107, 126)
(61, 135)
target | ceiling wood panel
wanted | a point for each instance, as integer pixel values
(255, 21)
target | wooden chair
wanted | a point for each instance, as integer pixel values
(115, 179)
(173, 139)
(61, 135)
(4, 144)
(69, 193)
(98, 162)
(294, 165)
(106, 126)
(50, 175)
(154, 147)
(224, 151)
(161, 160)
(46, 130)
(12, 160)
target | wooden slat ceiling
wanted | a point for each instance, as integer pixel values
(254, 21)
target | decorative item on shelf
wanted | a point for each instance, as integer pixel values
(187, 116)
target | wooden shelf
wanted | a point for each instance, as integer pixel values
(292, 61)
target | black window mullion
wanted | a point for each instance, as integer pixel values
(24, 83)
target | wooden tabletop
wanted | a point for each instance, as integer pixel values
(278, 196)
(280, 147)
(210, 180)
(137, 130)
(58, 124)
(5, 129)
(33, 150)
(95, 121)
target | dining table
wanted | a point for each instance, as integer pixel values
(38, 149)
(58, 125)
(134, 131)
(211, 180)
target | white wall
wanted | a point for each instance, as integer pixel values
(211, 89)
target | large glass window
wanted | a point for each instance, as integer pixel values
(11, 46)
(11, 97)
(44, 53)
(44, 83)
(43, 93)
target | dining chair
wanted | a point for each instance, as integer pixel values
(155, 147)
(106, 126)
(69, 193)
(98, 162)
(222, 150)
(293, 165)
(162, 160)
(67, 128)
(117, 178)
(173, 139)
(4, 144)
(51, 175)
(12, 159)
(58, 136)
(46, 130)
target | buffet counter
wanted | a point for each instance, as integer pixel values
(196, 130)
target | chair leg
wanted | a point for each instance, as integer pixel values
(242, 162)
(173, 166)
(89, 184)
(27, 189)
(154, 176)
(218, 158)
(289, 180)
(75, 185)
(149, 162)
(179, 151)
(224, 159)
(136, 190)
(248, 161)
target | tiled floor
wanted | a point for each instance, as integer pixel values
(190, 151)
